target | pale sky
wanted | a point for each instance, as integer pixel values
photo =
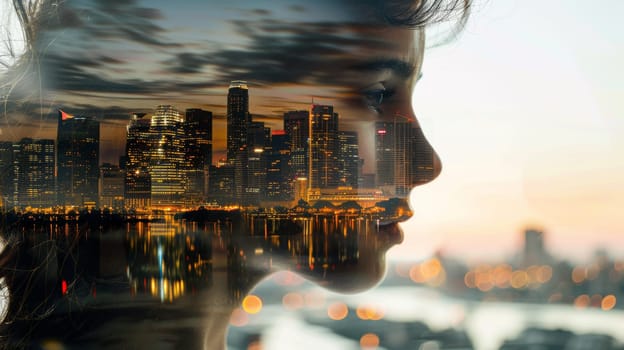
(526, 112)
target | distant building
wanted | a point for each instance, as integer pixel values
(33, 173)
(348, 159)
(278, 184)
(78, 153)
(221, 185)
(112, 180)
(6, 173)
(324, 150)
(198, 153)
(238, 118)
(534, 251)
(255, 169)
(297, 128)
(167, 166)
(138, 182)
(404, 158)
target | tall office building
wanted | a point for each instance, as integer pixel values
(33, 173)
(348, 159)
(6, 173)
(534, 250)
(255, 168)
(238, 118)
(138, 184)
(167, 166)
(297, 128)
(324, 150)
(278, 186)
(198, 152)
(403, 157)
(78, 153)
(221, 184)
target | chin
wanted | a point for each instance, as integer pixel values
(350, 279)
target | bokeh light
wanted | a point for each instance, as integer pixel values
(293, 301)
(239, 318)
(337, 311)
(369, 341)
(608, 302)
(252, 304)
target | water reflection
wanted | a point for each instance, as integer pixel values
(129, 276)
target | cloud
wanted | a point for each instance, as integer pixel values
(93, 20)
(281, 52)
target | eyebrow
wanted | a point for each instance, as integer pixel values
(399, 67)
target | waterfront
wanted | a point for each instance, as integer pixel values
(436, 320)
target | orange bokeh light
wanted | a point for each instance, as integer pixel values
(239, 318)
(519, 279)
(582, 301)
(337, 311)
(369, 312)
(608, 302)
(252, 304)
(369, 341)
(579, 274)
(293, 301)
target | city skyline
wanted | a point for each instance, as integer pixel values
(168, 161)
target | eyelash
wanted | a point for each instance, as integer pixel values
(375, 98)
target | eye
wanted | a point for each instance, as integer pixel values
(375, 95)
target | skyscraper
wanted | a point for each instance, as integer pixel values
(167, 165)
(138, 184)
(221, 185)
(238, 118)
(255, 168)
(403, 157)
(297, 128)
(78, 153)
(6, 173)
(348, 159)
(198, 152)
(33, 173)
(323, 147)
(278, 186)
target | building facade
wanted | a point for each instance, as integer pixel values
(324, 148)
(138, 182)
(77, 160)
(403, 156)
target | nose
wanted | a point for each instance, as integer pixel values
(424, 162)
(405, 157)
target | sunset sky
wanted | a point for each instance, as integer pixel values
(524, 108)
(526, 112)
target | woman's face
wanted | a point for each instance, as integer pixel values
(338, 61)
(377, 80)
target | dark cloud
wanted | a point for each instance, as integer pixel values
(282, 52)
(94, 20)
(73, 74)
(105, 114)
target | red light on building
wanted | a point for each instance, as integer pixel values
(381, 131)
(278, 132)
(64, 287)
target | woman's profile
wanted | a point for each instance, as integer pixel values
(159, 159)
